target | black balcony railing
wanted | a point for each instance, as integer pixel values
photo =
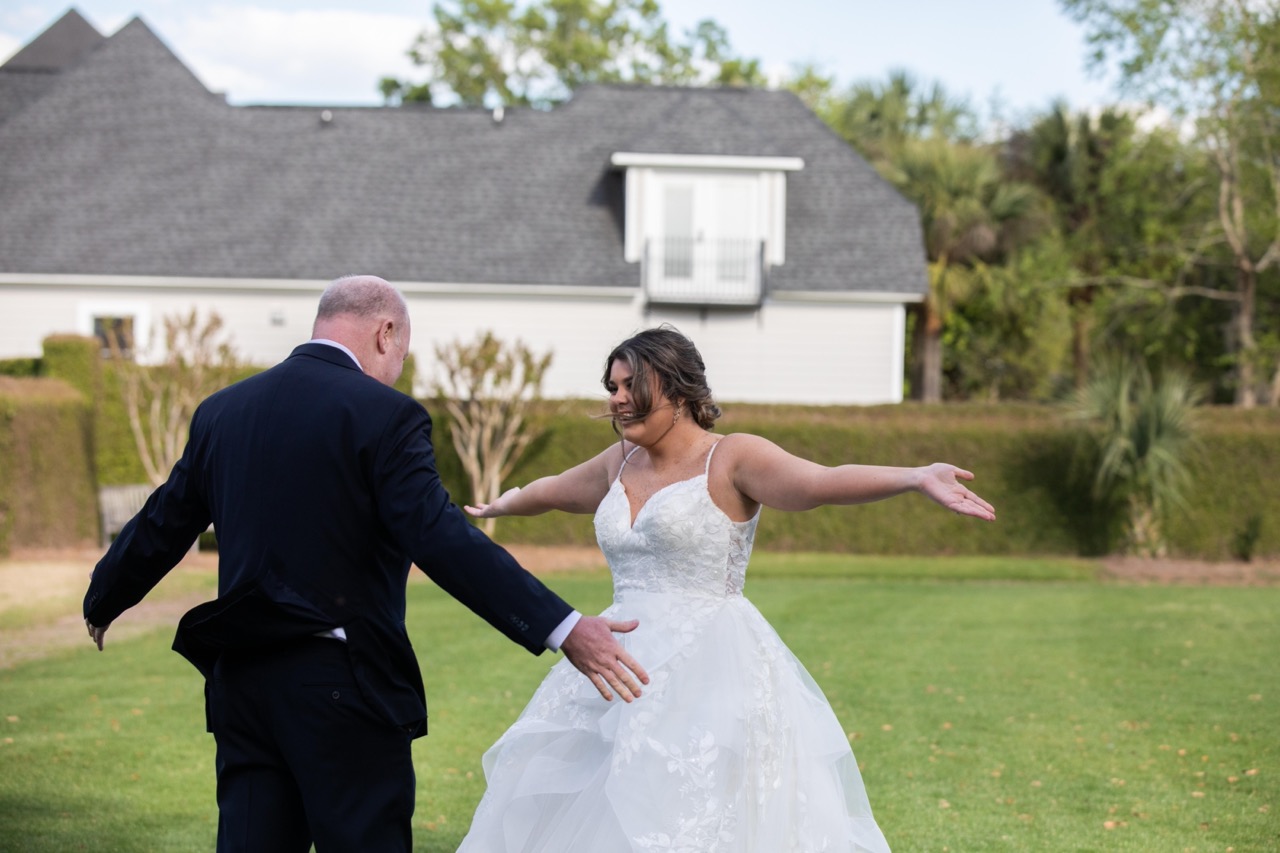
(704, 272)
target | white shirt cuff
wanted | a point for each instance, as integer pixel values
(562, 630)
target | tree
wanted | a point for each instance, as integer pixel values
(969, 213)
(1144, 431)
(880, 118)
(489, 52)
(160, 398)
(489, 389)
(1010, 340)
(1128, 207)
(1215, 65)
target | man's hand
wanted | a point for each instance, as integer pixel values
(96, 633)
(592, 648)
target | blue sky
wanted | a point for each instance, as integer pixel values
(1020, 54)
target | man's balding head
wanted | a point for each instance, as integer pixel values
(365, 296)
(368, 316)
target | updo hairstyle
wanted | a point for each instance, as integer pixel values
(667, 355)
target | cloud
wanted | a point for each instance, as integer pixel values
(8, 46)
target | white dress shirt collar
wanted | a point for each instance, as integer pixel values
(330, 343)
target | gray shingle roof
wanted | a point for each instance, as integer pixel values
(126, 164)
(63, 44)
(29, 73)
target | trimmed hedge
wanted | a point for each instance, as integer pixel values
(47, 496)
(1026, 459)
(20, 368)
(78, 361)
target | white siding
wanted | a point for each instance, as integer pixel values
(815, 351)
(811, 352)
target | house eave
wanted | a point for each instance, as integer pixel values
(844, 296)
(626, 159)
(278, 285)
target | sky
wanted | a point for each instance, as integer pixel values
(1008, 58)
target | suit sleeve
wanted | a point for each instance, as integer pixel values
(151, 543)
(437, 535)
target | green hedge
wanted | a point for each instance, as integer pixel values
(20, 368)
(79, 362)
(1025, 458)
(47, 496)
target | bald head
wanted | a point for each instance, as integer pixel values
(368, 316)
(365, 296)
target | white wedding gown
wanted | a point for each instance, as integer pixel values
(732, 747)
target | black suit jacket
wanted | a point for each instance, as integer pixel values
(322, 485)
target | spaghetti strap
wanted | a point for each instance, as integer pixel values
(707, 471)
(625, 460)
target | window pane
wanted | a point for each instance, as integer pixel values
(115, 333)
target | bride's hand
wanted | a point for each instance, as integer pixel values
(941, 483)
(490, 510)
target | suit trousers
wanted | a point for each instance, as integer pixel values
(302, 759)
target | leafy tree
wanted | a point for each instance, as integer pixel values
(1010, 340)
(1215, 65)
(489, 389)
(1144, 433)
(969, 214)
(1129, 206)
(160, 398)
(494, 52)
(880, 118)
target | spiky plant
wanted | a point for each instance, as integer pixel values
(1144, 434)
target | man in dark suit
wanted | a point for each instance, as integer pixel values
(321, 482)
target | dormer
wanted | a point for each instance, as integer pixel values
(705, 228)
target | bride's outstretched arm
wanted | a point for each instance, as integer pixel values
(768, 474)
(580, 490)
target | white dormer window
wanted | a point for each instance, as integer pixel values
(705, 229)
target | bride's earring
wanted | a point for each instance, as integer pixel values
(679, 409)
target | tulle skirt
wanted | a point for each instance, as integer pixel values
(732, 747)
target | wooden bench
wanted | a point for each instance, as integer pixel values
(118, 504)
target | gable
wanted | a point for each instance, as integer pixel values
(61, 46)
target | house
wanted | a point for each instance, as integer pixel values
(129, 192)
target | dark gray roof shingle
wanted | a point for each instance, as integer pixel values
(62, 45)
(127, 165)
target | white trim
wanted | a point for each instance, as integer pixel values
(898, 336)
(775, 209)
(632, 224)
(133, 282)
(842, 296)
(268, 285)
(707, 161)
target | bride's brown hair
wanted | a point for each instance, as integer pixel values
(667, 355)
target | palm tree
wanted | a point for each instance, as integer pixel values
(1145, 432)
(878, 119)
(970, 213)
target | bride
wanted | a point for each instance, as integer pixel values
(733, 746)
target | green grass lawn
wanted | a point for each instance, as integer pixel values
(994, 705)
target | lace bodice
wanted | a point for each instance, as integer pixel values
(681, 541)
